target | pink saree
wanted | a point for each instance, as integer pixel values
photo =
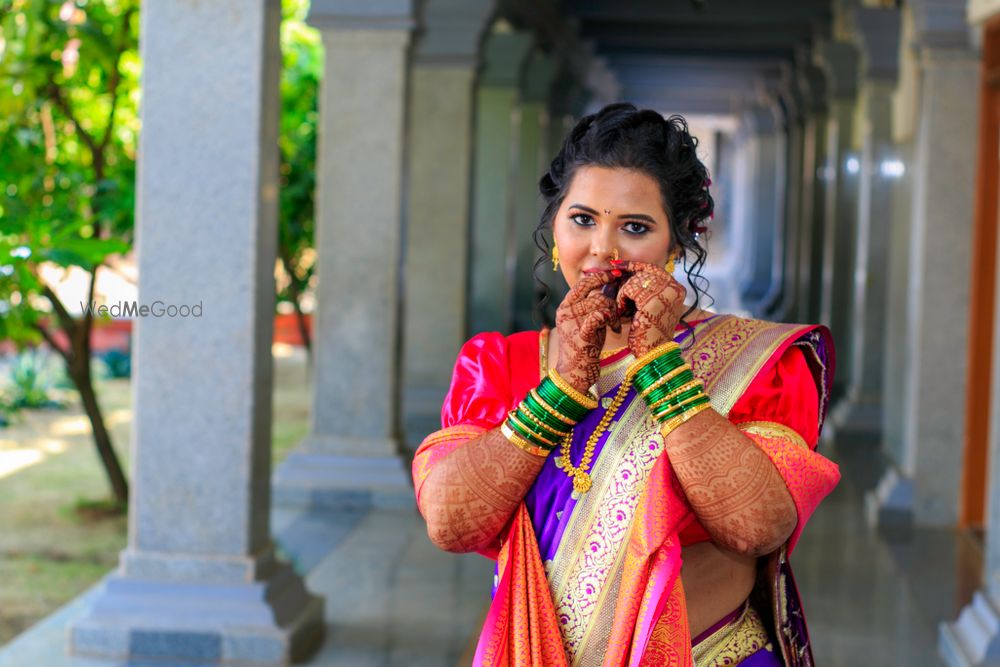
(594, 579)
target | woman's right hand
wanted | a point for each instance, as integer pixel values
(581, 320)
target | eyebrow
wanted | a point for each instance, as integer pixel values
(636, 216)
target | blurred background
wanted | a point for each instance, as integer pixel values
(241, 244)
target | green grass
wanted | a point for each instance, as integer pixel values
(57, 537)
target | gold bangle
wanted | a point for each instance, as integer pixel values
(671, 408)
(525, 412)
(666, 378)
(667, 427)
(655, 353)
(512, 416)
(585, 400)
(552, 411)
(521, 443)
(677, 392)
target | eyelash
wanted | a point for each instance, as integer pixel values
(642, 227)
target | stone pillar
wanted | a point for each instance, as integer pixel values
(781, 301)
(494, 249)
(924, 485)
(897, 325)
(566, 97)
(813, 83)
(859, 415)
(840, 60)
(764, 149)
(565, 90)
(350, 455)
(199, 581)
(739, 227)
(439, 169)
(533, 160)
(973, 639)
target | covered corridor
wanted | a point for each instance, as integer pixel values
(846, 142)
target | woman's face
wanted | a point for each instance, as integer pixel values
(607, 209)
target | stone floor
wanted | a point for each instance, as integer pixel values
(872, 599)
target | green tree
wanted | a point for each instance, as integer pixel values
(69, 125)
(301, 70)
(69, 72)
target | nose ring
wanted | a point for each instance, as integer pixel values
(614, 254)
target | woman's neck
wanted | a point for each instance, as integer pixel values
(615, 341)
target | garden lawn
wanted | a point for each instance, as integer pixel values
(50, 549)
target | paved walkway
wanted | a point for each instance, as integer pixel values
(393, 599)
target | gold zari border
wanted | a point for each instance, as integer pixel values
(733, 642)
(585, 574)
(768, 429)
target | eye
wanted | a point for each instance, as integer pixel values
(636, 228)
(587, 221)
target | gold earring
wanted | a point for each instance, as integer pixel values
(670, 264)
(555, 258)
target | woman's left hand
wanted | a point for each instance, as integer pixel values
(659, 304)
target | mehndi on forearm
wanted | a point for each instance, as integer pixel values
(732, 486)
(471, 494)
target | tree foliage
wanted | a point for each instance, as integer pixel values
(69, 125)
(301, 71)
(68, 129)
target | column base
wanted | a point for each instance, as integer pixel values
(421, 412)
(974, 639)
(890, 504)
(332, 479)
(257, 624)
(855, 421)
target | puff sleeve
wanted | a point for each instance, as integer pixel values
(781, 412)
(480, 386)
(477, 400)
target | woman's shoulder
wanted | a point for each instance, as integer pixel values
(518, 352)
(497, 341)
(754, 325)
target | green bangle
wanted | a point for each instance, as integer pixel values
(677, 410)
(529, 418)
(649, 374)
(529, 435)
(667, 389)
(680, 398)
(529, 404)
(560, 401)
(669, 359)
(681, 371)
(540, 404)
(563, 406)
(687, 408)
(552, 438)
(669, 401)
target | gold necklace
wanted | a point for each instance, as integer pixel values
(581, 478)
(611, 353)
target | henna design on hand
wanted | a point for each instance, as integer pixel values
(582, 320)
(659, 304)
(733, 487)
(470, 494)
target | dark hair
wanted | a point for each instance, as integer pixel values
(620, 135)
